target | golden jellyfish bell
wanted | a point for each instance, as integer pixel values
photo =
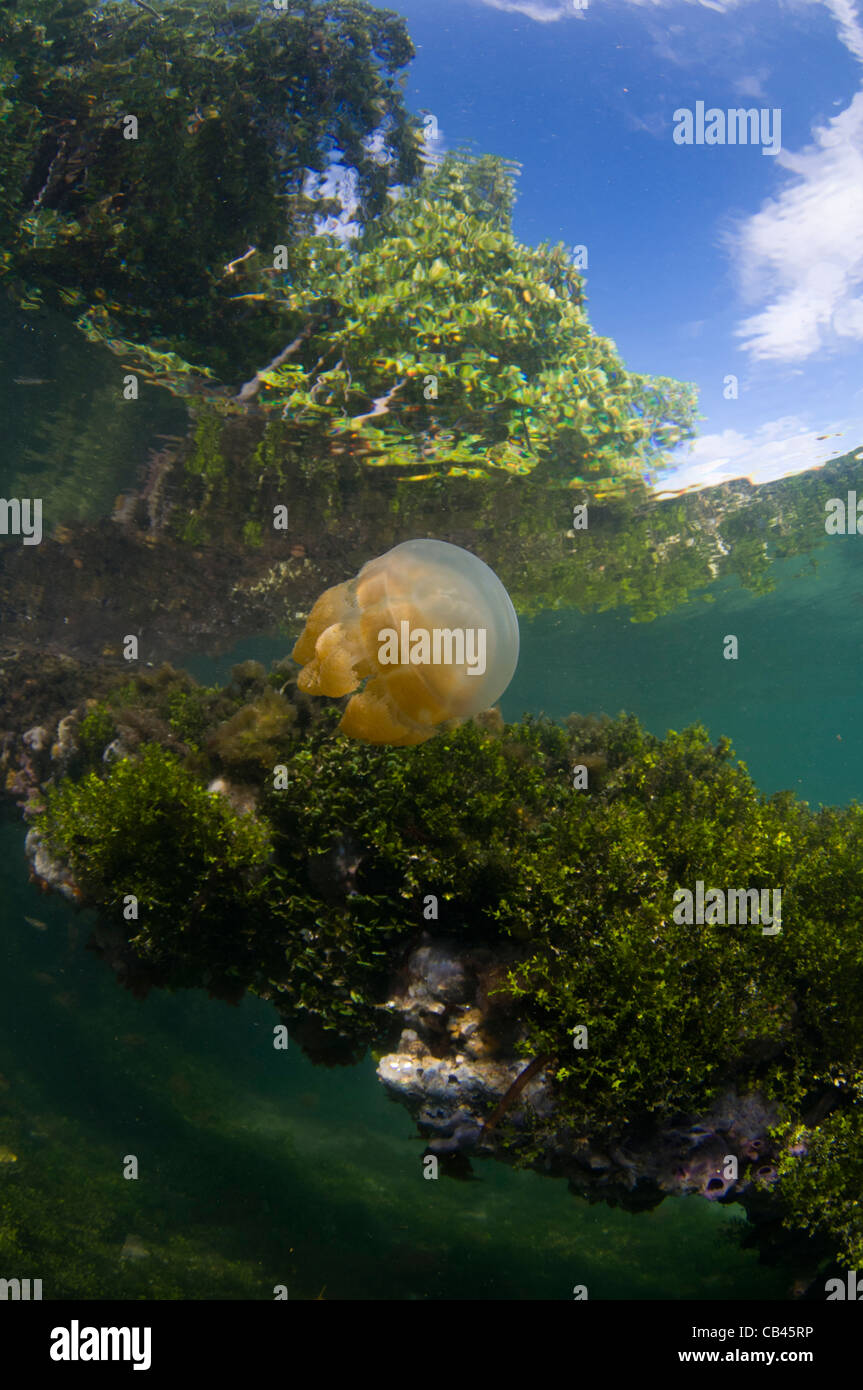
(428, 627)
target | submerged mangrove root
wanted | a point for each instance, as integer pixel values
(513, 1093)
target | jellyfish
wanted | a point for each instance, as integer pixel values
(428, 627)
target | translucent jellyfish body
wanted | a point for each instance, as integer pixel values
(428, 627)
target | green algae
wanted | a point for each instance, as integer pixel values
(575, 887)
(821, 1194)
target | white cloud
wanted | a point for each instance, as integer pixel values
(543, 11)
(548, 11)
(341, 183)
(850, 32)
(848, 319)
(801, 255)
(775, 450)
(803, 251)
(751, 84)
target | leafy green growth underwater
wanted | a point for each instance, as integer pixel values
(312, 895)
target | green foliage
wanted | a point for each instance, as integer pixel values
(194, 531)
(94, 732)
(205, 460)
(189, 714)
(169, 696)
(235, 102)
(312, 899)
(443, 342)
(254, 739)
(581, 884)
(585, 883)
(821, 1191)
(152, 830)
(438, 343)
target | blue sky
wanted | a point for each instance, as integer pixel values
(703, 260)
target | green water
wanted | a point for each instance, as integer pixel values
(69, 437)
(791, 703)
(257, 1168)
